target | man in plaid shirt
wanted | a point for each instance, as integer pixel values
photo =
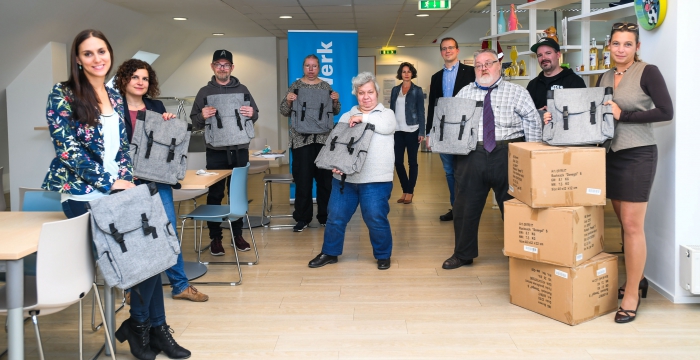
(509, 116)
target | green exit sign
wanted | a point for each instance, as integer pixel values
(434, 5)
(387, 52)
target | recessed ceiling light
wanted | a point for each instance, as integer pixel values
(180, 18)
(285, 17)
(401, 46)
(409, 34)
(422, 15)
(218, 34)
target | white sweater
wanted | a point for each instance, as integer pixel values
(379, 164)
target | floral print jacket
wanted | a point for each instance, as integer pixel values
(77, 168)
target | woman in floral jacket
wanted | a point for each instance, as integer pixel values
(86, 122)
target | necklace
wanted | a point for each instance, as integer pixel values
(620, 73)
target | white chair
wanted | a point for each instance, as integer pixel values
(63, 245)
(3, 204)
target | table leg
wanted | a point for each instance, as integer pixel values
(15, 303)
(109, 316)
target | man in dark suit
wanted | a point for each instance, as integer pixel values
(447, 83)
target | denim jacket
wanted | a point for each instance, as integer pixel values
(415, 106)
(77, 168)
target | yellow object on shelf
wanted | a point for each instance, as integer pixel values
(523, 70)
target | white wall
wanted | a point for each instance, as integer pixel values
(255, 66)
(673, 207)
(31, 150)
(27, 26)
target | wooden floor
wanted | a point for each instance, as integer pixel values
(415, 310)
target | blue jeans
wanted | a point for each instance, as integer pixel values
(176, 274)
(373, 199)
(147, 302)
(448, 166)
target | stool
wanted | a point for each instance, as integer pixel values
(269, 179)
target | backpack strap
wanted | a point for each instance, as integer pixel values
(171, 152)
(350, 148)
(592, 112)
(238, 120)
(566, 118)
(461, 126)
(148, 229)
(303, 111)
(118, 237)
(320, 113)
(442, 126)
(333, 142)
(150, 144)
(342, 182)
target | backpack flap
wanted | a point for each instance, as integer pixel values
(577, 102)
(108, 213)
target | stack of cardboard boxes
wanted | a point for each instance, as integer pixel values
(554, 232)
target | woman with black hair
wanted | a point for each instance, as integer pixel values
(92, 158)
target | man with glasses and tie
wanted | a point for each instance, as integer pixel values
(509, 115)
(447, 83)
(223, 157)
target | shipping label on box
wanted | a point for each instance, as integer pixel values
(565, 236)
(570, 295)
(541, 175)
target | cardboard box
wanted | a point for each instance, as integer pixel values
(565, 236)
(570, 295)
(545, 176)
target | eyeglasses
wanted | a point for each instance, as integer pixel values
(628, 26)
(223, 66)
(447, 48)
(485, 65)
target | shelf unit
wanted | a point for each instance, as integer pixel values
(545, 4)
(508, 36)
(606, 14)
(567, 48)
(589, 72)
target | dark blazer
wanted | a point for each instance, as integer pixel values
(415, 106)
(153, 105)
(465, 76)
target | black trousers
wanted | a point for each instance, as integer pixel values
(217, 160)
(305, 172)
(406, 142)
(475, 175)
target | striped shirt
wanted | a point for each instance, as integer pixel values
(514, 112)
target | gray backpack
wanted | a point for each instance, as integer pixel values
(228, 127)
(455, 125)
(312, 111)
(346, 149)
(132, 235)
(159, 148)
(579, 117)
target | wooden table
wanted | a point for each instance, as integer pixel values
(192, 181)
(19, 237)
(255, 157)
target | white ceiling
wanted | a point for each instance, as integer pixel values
(378, 22)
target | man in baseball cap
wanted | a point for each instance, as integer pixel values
(223, 157)
(552, 76)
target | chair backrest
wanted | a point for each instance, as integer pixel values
(257, 143)
(196, 160)
(3, 204)
(238, 191)
(39, 200)
(64, 245)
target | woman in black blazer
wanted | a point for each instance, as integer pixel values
(410, 127)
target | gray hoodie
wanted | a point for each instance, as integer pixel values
(213, 88)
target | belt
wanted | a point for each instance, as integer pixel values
(503, 142)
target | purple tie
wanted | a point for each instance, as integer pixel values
(489, 124)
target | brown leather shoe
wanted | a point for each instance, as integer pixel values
(409, 199)
(402, 199)
(455, 262)
(191, 294)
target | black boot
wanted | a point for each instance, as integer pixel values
(138, 336)
(162, 340)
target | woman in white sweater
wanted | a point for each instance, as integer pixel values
(371, 187)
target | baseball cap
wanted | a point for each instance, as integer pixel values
(223, 54)
(545, 41)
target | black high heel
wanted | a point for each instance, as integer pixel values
(643, 289)
(623, 316)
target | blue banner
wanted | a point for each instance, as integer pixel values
(337, 52)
